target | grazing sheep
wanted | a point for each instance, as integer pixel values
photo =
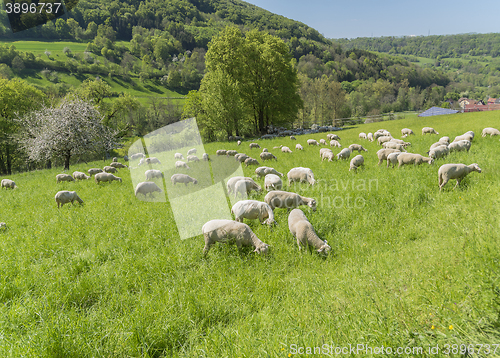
(221, 152)
(241, 157)
(471, 133)
(286, 200)
(265, 150)
(299, 147)
(153, 173)
(466, 136)
(192, 158)
(115, 159)
(394, 145)
(181, 164)
(254, 145)
(490, 131)
(302, 175)
(400, 141)
(267, 156)
(439, 152)
(392, 158)
(285, 150)
(369, 136)
(178, 156)
(278, 147)
(231, 153)
(460, 146)
(182, 178)
(362, 135)
(118, 165)
(137, 156)
(8, 184)
(64, 197)
(64, 177)
(272, 182)
(322, 142)
(356, 162)
(253, 209)
(326, 153)
(312, 142)
(205, 157)
(263, 171)
(344, 154)
(332, 136)
(357, 147)
(245, 186)
(110, 169)
(239, 142)
(437, 144)
(80, 176)
(383, 153)
(252, 161)
(94, 171)
(151, 160)
(378, 134)
(411, 158)
(147, 187)
(229, 231)
(383, 139)
(407, 131)
(105, 177)
(293, 138)
(429, 130)
(191, 151)
(455, 171)
(302, 229)
(3, 226)
(334, 143)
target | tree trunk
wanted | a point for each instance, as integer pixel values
(49, 164)
(9, 160)
(66, 161)
(261, 122)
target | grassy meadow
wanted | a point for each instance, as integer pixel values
(410, 266)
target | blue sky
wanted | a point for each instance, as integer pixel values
(365, 18)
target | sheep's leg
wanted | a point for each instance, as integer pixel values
(457, 184)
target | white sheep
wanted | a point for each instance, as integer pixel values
(293, 138)
(460, 146)
(147, 187)
(407, 131)
(239, 142)
(445, 140)
(182, 178)
(254, 145)
(181, 164)
(334, 143)
(439, 152)
(344, 154)
(241, 157)
(287, 200)
(362, 135)
(106, 177)
(383, 139)
(369, 136)
(332, 136)
(322, 142)
(232, 182)
(490, 131)
(221, 152)
(285, 149)
(429, 130)
(251, 161)
(299, 147)
(118, 165)
(455, 171)
(326, 153)
(80, 176)
(302, 175)
(137, 156)
(253, 209)
(245, 186)
(272, 182)
(400, 141)
(438, 144)
(312, 142)
(383, 153)
(392, 158)
(465, 136)
(278, 147)
(115, 159)
(229, 231)
(178, 156)
(153, 173)
(267, 156)
(357, 147)
(411, 158)
(64, 177)
(205, 157)
(356, 162)
(8, 184)
(192, 158)
(94, 171)
(302, 229)
(64, 197)
(394, 145)
(231, 153)
(192, 151)
(265, 150)
(110, 169)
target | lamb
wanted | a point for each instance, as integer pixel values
(80, 176)
(460, 146)
(344, 154)
(252, 161)
(429, 130)
(181, 164)
(286, 200)
(263, 171)
(383, 139)
(105, 177)
(147, 187)
(253, 209)
(272, 182)
(369, 136)
(267, 156)
(254, 145)
(191, 151)
(64, 177)
(302, 175)
(392, 158)
(326, 153)
(466, 136)
(357, 147)
(299, 147)
(302, 229)
(334, 143)
(383, 153)
(312, 142)
(239, 142)
(322, 141)
(439, 152)
(411, 158)
(245, 186)
(490, 131)
(221, 152)
(455, 171)
(118, 165)
(205, 157)
(332, 136)
(407, 131)
(193, 158)
(293, 138)
(362, 135)
(153, 173)
(394, 145)
(137, 156)
(64, 197)
(356, 162)
(110, 169)
(178, 156)
(8, 184)
(229, 231)
(286, 150)
(182, 178)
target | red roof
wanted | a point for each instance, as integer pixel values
(481, 107)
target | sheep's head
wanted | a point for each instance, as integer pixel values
(431, 161)
(324, 249)
(475, 167)
(195, 181)
(262, 249)
(312, 204)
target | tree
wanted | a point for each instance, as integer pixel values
(73, 128)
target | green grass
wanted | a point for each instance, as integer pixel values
(39, 47)
(111, 278)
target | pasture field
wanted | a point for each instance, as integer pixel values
(410, 266)
(39, 47)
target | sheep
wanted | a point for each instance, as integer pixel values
(356, 162)
(466, 136)
(383, 153)
(153, 173)
(429, 130)
(344, 154)
(125, 158)
(272, 182)
(205, 157)
(439, 152)
(369, 136)
(455, 171)
(192, 158)
(394, 145)
(362, 135)
(267, 156)
(400, 141)
(437, 144)
(392, 158)
(445, 140)
(105, 177)
(137, 156)
(178, 156)
(377, 135)
(253, 209)
(3, 226)
(357, 147)
(332, 136)
(118, 165)
(110, 169)
(278, 147)
(241, 157)
(221, 152)
(287, 200)
(263, 171)
(334, 143)
(293, 138)
(229, 231)
(286, 150)
(181, 164)
(245, 186)
(407, 131)
(254, 145)
(64, 197)
(191, 151)
(471, 133)
(322, 142)
(460, 146)
(411, 158)
(490, 131)
(80, 176)
(265, 150)
(239, 142)
(383, 139)
(302, 229)
(312, 142)
(182, 178)
(231, 183)
(147, 187)
(299, 147)
(252, 161)
(152, 160)
(326, 153)
(302, 175)
(8, 184)
(115, 159)
(64, 177)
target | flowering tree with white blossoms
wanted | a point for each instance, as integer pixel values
(73, 128)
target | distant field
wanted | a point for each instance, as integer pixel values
(39, 47)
